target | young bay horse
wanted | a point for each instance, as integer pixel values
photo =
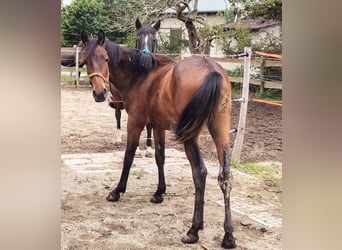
(182, 97)
(146, 42)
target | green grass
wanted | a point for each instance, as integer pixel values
(138, 174)
(271, 94)
(269, 174)
(67, 78)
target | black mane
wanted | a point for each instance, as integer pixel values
(135, 60)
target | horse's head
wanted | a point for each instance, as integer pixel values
(146, 43)
(146, 37)
(94, 55)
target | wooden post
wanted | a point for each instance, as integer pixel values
(262, 75)
(76, 65)
(243, 109)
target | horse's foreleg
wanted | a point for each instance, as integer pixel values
(132, 144)
(199, 174)
(159, 136)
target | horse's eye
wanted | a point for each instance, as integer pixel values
(106, 59)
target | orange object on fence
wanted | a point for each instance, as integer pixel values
(277, 103)
(269, 55)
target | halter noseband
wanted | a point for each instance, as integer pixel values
(100, 75)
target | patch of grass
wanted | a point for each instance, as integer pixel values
(138, 173)
(271, 94)
(269, 174)
(255, 196)
(67, 78)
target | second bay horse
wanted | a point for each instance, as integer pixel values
(180, 96)
(147, 43)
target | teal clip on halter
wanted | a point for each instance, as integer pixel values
(147, 51)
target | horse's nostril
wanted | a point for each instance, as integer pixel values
(105, 90)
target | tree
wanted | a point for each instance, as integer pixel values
(81, 15)
(263, 9)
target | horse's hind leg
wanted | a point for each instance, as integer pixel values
(199, 174)
(149, 135)
(219, 130)
(118, 117)
(159, 136)
(149, 151)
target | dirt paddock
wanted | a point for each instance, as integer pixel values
(92, 154)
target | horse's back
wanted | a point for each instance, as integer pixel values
(68, 58)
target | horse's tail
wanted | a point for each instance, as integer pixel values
(200, 108)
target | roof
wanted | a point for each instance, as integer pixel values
(212, 6)
(253, 24)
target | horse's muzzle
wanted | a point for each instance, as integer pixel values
(100, 97)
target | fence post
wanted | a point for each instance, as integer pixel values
(262, 75)
(243, 109)
(76, 65)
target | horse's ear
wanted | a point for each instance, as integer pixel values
(84, 37)
(157, 25)
(138, 24)
(101, 37)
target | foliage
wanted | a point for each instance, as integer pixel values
(116, 18)
(271, 94)
(123, 13)
(130, 40)
(88, 15)
(268, 43)
(264, 9)
(237, 72)
(171, 44)
(235, 40)
(229, 15)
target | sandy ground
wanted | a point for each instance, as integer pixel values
(92, 153)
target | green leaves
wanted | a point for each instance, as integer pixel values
(81, 15)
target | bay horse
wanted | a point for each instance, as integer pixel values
(146, 42)
(179, 96)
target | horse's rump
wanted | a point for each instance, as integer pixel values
(199, 108)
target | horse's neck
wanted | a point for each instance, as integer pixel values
(120, 74)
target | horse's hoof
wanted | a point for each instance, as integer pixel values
(138, 154)
(228, 241)
(190, 238)
(113, 197)
(157, 199)
(149, 152)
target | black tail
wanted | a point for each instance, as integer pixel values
(200, 108)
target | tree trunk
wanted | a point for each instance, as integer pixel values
(194, 41)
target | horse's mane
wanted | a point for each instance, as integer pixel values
(113, 51)
(135, 60)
